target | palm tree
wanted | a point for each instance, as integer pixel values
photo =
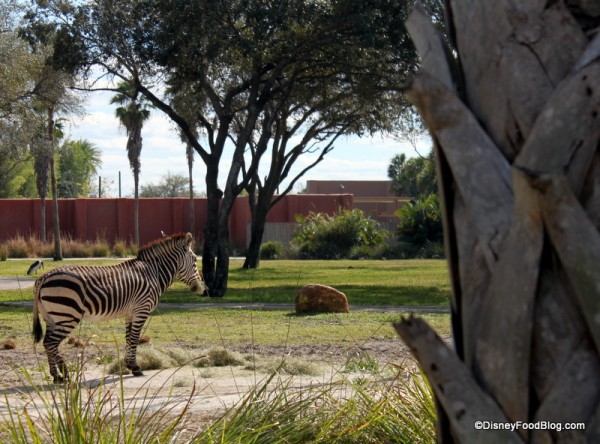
(513, 110)
(79, 161)
(132, 114)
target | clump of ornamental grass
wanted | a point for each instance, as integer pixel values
(78, 412)
(17, 247)
(286, 366)
(400, 411)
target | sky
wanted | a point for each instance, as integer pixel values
(353, 158)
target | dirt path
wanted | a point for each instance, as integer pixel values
(205, 392)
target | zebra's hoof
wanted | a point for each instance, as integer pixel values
(59, 380)
(137, 372)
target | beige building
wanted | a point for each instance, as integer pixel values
(373, 197)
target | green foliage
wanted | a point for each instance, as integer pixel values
(17, 178)
(78, 163)
(414, 177)
(271, 250)
(77, 413)
(171, 185)
(402, 411)
(421, 225)
(321, 236)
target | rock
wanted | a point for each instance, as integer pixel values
(9, 344)
(316, 298)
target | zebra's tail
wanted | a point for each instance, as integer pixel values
(37, 332)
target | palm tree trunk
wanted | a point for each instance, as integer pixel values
(43, 237)
(136, 209)
(58, 256)
(514, 120)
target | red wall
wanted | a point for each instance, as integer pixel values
(112, 219)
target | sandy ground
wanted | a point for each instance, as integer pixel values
(206, 393)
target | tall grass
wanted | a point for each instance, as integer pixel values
(30, 247)
(399, 411)
(396, 410)
(77, 413)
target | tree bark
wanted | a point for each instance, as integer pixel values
(190, 159)
(58, 256)
(260, 210)
(516, 128)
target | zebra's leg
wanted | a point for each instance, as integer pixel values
(56, 362)
(132, 339)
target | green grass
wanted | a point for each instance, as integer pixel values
(369, 282)
(199, 327)
(378, 411)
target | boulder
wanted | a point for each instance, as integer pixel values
(316, 298)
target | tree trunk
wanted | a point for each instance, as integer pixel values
(58, 256)
(515, 123)
(191, 183)
(210, 244)
(43, 237)
(257, 229)
(260, 210)
(136, 209)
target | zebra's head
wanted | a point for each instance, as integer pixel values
(187, 271)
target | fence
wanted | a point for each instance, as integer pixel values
(112, 219)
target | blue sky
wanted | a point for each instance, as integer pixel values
(352, 159)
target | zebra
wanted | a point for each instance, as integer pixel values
(67, 294)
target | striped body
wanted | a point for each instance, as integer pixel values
(68, 294)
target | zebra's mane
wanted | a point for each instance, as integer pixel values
(148, 248)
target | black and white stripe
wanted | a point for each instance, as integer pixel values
(66, 295)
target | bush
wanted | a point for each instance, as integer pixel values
(18, 248)
(100, 248)
(420, 232)
(333, 237)
(271, 250)
(120, 248)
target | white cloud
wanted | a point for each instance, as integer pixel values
(365, 158)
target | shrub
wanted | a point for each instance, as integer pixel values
(120, 248)
(17, 247)
(74, 248)
(332, 237)
(420, 229)
(271, 250)
(100, 248)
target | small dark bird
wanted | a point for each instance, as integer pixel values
(35, 267)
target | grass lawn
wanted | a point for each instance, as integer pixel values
(369, 282)
(393, 282)
(198, 327)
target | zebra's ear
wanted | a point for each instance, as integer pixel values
(189, 238)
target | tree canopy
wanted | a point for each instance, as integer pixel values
(414, 177)
(171, 185)
(247, 69)
(78, 165)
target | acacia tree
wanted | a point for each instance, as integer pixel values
(515, 121)
(132, 114)
(236, 58)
